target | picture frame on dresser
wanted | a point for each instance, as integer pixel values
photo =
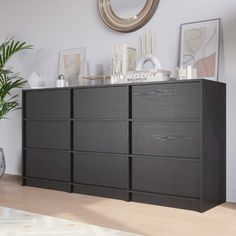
(71, 61)
(200, 47)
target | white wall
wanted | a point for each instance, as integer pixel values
(58, 24)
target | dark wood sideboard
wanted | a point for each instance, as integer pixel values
(161, 143)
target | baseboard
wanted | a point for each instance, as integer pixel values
(9, 172)
(231, 194)
(14, 178)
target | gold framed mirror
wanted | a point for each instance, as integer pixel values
(126, 15)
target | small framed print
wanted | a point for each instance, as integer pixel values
(70, 64)
(200, 47)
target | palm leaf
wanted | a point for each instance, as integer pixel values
(8, 79)
(9, 48)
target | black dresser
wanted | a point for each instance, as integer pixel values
(160, 143)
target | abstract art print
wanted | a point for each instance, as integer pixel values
(70, 64)
(200, 47)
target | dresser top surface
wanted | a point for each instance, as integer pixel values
(172, 81)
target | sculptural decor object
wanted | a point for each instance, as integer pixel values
(126, 15)
(36, 81)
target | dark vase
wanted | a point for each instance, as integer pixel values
(2, 163)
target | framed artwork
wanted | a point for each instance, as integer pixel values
(200, 47)
(70, 64)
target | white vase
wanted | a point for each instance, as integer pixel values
(36, 81)
(2, 163)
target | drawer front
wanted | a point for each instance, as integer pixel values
(101, 170)
(47, 104)
(101, 136)
(47, 165)
(180, 177)
(166, 101)
(178, 139)
(47, 134)
(101, 103)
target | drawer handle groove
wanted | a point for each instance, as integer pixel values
(157, 137)
(158, 92)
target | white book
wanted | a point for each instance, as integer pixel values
(129, 59)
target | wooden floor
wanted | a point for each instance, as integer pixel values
(127, 216)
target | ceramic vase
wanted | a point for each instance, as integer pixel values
(2, 163)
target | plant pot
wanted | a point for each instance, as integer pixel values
(2, 163)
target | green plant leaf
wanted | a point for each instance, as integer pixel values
(8, 79)
(9, 48)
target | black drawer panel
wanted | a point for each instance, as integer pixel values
(102, 170)
(167, 200)
(47, 104)
(166, 101)
(48, 184)
(101, 136)
(101, 191)
(47, 164)
(47, 134)
(172, 176)
(178, 139)
(110, 102)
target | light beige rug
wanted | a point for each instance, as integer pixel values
(21, 223)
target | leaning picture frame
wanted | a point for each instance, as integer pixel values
(200, 46)
(70, 64)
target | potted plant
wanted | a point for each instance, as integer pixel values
(9, 81)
